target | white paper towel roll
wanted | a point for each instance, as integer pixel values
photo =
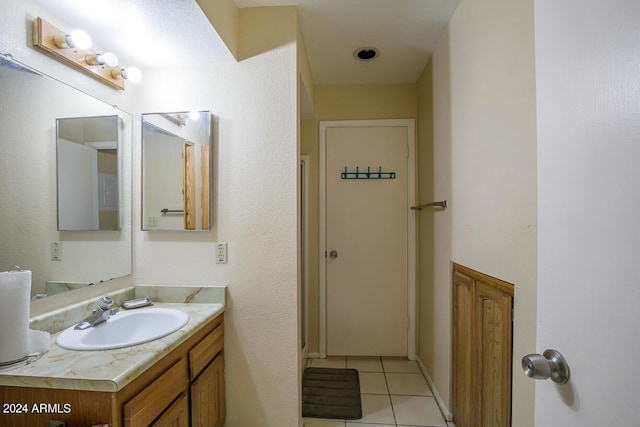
(16, 339)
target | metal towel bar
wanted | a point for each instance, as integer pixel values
(442, 204)
(165, 210)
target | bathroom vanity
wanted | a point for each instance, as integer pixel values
(177, 380)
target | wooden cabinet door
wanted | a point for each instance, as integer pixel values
(147, 405)
(463, 344)
(177, 415)
(493, 313)
(481, 349)
(207, 396)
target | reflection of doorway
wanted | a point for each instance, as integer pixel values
(367, 283)
(189, 186)
(77, 186)
(304, 283)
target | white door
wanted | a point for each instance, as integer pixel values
(589, 209)
(77, 169)
(367, 245)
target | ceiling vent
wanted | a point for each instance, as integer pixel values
(366, 53)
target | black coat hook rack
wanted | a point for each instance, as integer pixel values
(379, 174)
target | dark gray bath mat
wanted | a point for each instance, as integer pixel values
(331, 393)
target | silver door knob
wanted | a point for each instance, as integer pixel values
(333, 254)
(550, 364)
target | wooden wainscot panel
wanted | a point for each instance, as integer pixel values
(482, 356)
(463, 343)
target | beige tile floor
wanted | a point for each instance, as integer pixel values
(394, 393)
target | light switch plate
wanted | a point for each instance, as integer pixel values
(56, 251)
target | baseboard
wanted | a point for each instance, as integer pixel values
(314, 356)
(448, 416)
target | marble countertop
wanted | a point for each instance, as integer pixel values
(110, 370)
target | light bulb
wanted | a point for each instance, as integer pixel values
(107, 58)
(132, 74)
(78, 39)
(194, 115)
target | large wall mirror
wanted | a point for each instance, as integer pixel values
(176, 171)
(34, 109)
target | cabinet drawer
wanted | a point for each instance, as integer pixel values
(205, 351)
(157, 396)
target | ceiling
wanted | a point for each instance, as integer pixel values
(404, 31)
(149, 33)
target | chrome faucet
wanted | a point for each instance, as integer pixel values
(99, 314)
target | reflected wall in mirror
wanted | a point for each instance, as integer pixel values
(176, 171)
(30, 103)
(87, 170)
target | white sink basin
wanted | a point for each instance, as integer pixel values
(124, 329)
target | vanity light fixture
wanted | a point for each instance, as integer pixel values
(74, 49)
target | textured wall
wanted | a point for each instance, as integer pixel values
(255, 211)
(485, 128)
(434, 226)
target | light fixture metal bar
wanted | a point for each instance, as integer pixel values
(43, 38)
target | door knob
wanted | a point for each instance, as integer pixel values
(333, 254)
(550, 364)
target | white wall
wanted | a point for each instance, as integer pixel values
(255, 209)
(434, 226)
(588, 90)
(485, 152)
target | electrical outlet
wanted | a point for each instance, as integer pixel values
(221, 253)
(152, 221)
(56, 251)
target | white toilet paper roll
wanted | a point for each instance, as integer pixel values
(16, 339)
